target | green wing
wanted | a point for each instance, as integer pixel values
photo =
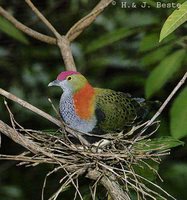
(115, 110)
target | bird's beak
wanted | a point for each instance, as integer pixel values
(54, 83)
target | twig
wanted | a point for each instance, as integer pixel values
(80, 161)
(34, 147)
(177, 87)
(45, 180)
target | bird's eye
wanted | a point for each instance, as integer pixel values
(69, 78)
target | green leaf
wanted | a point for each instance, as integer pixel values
(161, 143)
(174, 173)
(147, 19)
(177, 18)
(109, 38)
(149, 42)
(178, 115)
(13, 32)
(163, 72)
(156, 55)
(147, 169)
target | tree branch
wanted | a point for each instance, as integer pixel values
(30, 107)
(112, 186)
(42, 18)
(26, 29)
(62, 42)
(44, 115)
(65, 49)
(20, 139)
(83, 23)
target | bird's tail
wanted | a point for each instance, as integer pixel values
(145, 108)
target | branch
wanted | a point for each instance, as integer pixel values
(42, 18)
(62, 42)
(34, 147)
(177, 87)
(65, 49)
(26, 29)
(82, 24)
(23, 141)
(112, 186)
(30, 107)
(44, 115)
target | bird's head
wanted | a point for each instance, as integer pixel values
(69, 81)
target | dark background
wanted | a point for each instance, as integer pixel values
(119, 51)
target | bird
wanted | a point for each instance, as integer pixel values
(93, 110)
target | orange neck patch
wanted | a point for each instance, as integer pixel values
(84, 102)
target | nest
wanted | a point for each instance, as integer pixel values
(121, 158)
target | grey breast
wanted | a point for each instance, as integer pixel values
(68, 114)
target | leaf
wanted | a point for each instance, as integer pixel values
(109, 38)
(156, 55)
(177, 18)
(178, 115)
(149, 42)
(13, 32)
(147, 19)
(163, 72)
(161, 143)
(147, 169)
(175, 174)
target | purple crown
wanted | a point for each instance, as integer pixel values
(63, 75)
